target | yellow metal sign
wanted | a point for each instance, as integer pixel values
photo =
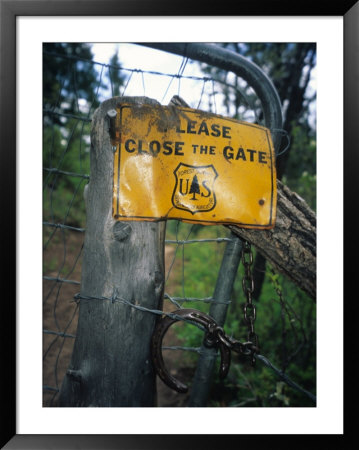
(181, 163)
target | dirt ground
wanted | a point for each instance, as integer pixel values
(60, 313)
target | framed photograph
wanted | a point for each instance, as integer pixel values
(39, 42)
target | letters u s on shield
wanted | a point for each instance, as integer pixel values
(185, 164)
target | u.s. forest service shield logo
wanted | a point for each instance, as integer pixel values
(194, 188)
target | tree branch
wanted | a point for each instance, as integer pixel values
(291, 245)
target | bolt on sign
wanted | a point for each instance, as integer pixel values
(181, 163)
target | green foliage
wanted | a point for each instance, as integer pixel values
(286, 321)
(300, 173)
(199, 278)
(67, 150)
(70, 90)
(115, 78)
(69, 84)
(290, 67)
(285, 326)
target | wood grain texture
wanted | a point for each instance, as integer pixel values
(111, 363)
(291, 245)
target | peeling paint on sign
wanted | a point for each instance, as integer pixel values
(185, 164)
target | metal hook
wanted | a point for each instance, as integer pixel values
(286, 134)
(214, 337)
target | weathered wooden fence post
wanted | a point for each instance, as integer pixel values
(122, 262)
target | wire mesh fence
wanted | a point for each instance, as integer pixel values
(74, 85)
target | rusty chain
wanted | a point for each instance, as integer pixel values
(249, 309)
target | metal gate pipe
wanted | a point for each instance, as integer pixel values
(218, 311)
(228, 60)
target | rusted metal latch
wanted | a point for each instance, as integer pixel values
(214, 338)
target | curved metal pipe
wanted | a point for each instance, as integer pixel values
(228, 60)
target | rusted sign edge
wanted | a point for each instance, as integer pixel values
(116, 140)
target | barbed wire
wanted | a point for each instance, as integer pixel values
(179, 75)
(60, 226)
(116, 298)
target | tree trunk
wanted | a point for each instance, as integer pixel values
(111, 362)
(291, 245)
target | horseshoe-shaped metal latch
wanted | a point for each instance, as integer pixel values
(214, 337)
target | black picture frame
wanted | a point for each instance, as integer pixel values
(9, 10)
